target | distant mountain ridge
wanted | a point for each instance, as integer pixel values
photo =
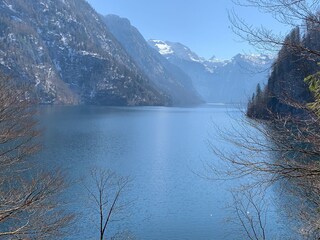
(64, 50)
(217, 80)
(167, 77)
(69, 54)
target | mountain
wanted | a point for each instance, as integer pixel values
(217, 80)
(63, 49)
(167, 77)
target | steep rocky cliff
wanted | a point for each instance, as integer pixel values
(65, 52)
(165, 75)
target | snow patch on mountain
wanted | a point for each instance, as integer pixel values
(169, 49)
(9, 6)
(70, 57)
(256, 59)
(175, 49)
(164, 49)
(219, 80)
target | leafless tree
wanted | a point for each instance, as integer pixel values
(29, 206)
(250, 209)
(290, 13)
(285, 149)
(106, 192)
(282, 151)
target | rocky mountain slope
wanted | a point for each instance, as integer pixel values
(65, 52)
(166, 76)
(218, 80)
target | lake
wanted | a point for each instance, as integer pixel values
(164, 151)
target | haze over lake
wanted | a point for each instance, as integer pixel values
(163, 150)
(171, 120)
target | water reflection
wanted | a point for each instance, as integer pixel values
(159, 148)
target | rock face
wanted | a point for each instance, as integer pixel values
(218, 80)
(166, 76)
(63, 49)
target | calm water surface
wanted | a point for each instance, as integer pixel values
(161, 149)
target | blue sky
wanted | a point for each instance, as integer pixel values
(202, 25)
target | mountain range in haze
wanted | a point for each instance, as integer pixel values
(217, 80)
(165, 75)
(69, 54)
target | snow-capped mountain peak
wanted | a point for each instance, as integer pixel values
(175, 49)
(162, 47)
(256, 59)
(180, 51)
(217, 60)
(218, 80)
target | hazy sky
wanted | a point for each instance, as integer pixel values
(202, 25)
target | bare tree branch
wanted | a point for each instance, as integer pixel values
(107, 196)
(29, 204)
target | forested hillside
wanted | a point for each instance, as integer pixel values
(287, 91)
